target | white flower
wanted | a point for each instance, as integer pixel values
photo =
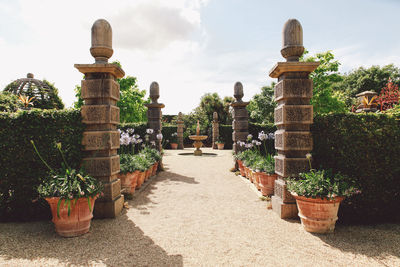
(133, 140)
(271, 136)
(119, 130)
(249, 137)
(139, 141)
(153, 143)
(143, 145)
(149, 131)
(159, 136)
(137, 136)
(254, 141)
(308, 155)
(262, 136)
(82, 193)
(130, 130)
(258, 143)
(125, 139)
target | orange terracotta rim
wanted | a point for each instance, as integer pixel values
(318, 199)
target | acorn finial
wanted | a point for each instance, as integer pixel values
(292, 40)
(238, 91)
(154, 92)
(101, 48)
(180, 116)
(29, 75)
(215, 116)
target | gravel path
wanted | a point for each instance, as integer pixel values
(197, 213)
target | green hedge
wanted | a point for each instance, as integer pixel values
(21, 170)
(225, 132)
(365, 147)
(140, 127)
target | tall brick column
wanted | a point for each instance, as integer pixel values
(154, 114)
(293, 116)
(240, 123)
(100, 93)
(179, 124)
(215, 130)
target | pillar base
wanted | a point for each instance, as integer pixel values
(284, 210)
(198, 152)
(108, 209)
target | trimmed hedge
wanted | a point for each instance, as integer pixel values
(365, 147)
(140, 127)
(21, 170)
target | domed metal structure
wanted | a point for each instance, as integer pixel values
(44, 93)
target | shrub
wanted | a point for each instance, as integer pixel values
(21, 170)
(366, 148)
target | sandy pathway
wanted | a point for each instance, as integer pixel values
(197, 213)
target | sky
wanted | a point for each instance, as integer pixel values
(190, 47)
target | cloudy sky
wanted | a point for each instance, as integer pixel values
(190, 47)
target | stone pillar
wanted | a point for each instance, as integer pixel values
(100, 93)
(293, 116)
(179, 124)
(154, 114)
(215, 130)
(240, 123)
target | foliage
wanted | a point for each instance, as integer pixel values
(366, 79)
(9, 102)
(321, 184)
(43, 98)
(261, 107)
(225, 133)
(211, 102)
(325, 98)
(365, 147)
(24, 171)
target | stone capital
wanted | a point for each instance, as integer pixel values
(113, 69)
(283, 67)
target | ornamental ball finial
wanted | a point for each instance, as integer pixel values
(292, 40)
(238, 91)
(29, 75)
(154, 92)
(101, 48)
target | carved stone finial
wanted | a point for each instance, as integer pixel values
(238, 91)
(215, 116)
(101, 48)
(29, 75)
(180, 116)
(154, 92)
(292, 40)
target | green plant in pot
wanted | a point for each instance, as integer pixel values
(71, 195)
(220, 143)
(267, 176)
(318, 194)
(173, 140)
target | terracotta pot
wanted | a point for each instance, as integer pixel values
(78, 222)
(129, 181)
(174, 145)
(140, 179)
(154, 170)
(147, 173)
(241, 168)
(256, 178)
(251, 177)
(267, 183)
(318, 215)
(220, 146)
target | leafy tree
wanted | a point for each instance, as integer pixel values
(210, 103)
(325, 98)
(131, 103)
(261, 106)
(9, 102)
(367, 79)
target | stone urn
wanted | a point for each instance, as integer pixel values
(77, 222)
(318, 215)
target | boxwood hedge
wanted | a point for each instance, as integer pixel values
(20, 168)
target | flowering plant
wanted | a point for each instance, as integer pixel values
(220, 140)
(174, 138)
(68, 184)
(321, 183)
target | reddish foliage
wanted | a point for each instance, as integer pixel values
(389, 95)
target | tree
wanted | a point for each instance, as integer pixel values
(210, 103)
(325, 98)
(261, 106)
(131, 103)
(9, 102)
(367, 79)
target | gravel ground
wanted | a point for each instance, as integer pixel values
(197, 213)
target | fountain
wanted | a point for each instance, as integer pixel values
(198, 140)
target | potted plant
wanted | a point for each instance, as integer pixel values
(267, 175)
(174, 141)
(220, 143)
(318, 195)
(71, 195)
(129, 173)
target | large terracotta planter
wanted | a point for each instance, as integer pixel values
(318, 215)
(220, 146)
(246, 172)
(241, 168)
(154, 170)
(267, 183)
(174, 145)
(251, 175)
(129, 181)
(256, 179)
(78, 222)
(148, 173)
(140, 179)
